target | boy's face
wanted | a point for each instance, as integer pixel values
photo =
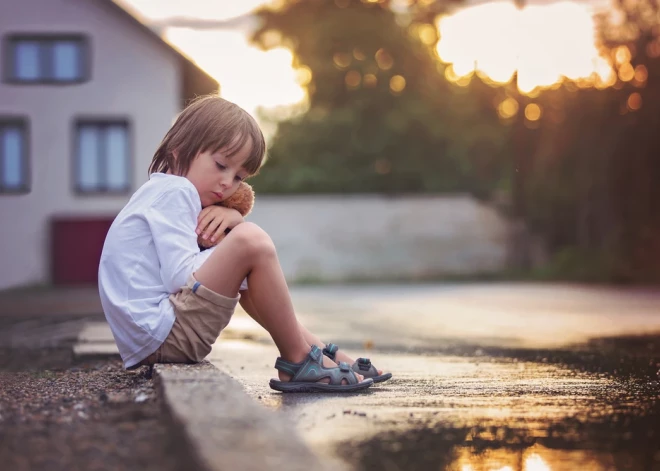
(217, 177)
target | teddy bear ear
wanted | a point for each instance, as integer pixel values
(247, 186)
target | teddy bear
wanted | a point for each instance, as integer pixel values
(242, 201)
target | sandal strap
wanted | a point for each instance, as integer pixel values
(292, 368)
(330, 351)
(361, 366)
(363, 363)
(364, 367)
(287, 366)
(312, 370)
(345, 367)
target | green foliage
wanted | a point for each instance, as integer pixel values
(369, 136)
(403, 149)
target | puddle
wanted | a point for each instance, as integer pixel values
(609, 420)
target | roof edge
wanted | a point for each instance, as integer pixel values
(193, 75)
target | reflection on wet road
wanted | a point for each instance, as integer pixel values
(473, 405)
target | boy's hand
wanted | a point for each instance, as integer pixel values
(214, 220)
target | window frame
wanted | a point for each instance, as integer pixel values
(26, 186)
(9, 50)
(101, 123)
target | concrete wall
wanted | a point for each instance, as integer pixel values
(380, 238)
(133, 77)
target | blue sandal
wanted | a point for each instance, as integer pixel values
(307, 374)
(362, 366)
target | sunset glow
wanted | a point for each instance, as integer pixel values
(545, 44)
(249, 76)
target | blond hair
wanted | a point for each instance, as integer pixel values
(209, 123)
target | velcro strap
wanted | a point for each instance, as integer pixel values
(315, 353)
(364, 364)
(330, 350)
(286, 366)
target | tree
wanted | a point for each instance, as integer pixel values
(381, 116)
(595, 160)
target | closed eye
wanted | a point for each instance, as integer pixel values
(220, 166)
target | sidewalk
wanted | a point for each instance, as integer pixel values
(47, 317)
(52, 302)
(206, 412)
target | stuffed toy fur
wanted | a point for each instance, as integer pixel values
(242, 201)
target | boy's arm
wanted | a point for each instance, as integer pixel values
(172, 220)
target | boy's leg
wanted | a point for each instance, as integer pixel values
(250, 308)
(248, 250)
(312, 339)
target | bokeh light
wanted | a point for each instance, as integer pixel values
(397, 83)
(353, 79)
(341, 59)
(427, 34)
(370, 80)
(359, 55)
(622, 55)
(508, 108)
(626, 72)
(304, 75)
(533, 112)
(641, 73)
(384, 59)
(535, 463)
(634, 101)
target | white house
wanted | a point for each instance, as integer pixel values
(86, 94)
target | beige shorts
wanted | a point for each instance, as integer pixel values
(201, 314)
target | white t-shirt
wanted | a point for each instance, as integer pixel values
(149, 252)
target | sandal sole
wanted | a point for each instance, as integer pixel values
(381, 378)
(288, 387)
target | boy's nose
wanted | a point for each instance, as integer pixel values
(225, 183)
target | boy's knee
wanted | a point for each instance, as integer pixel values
(253, 239)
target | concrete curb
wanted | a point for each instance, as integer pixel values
(222, 427)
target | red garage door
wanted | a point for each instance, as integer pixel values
(76, 249)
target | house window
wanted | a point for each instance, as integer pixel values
(102, 162)
(14, 168)
(34, 59)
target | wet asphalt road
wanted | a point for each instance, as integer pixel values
(497, 377)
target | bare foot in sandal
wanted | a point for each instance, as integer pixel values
(327, 363)
(361, 365)
(316, 373)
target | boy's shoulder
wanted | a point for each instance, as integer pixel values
(168, 180)
(162, 186)
(166, 183)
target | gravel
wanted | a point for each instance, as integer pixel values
(84, 416)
